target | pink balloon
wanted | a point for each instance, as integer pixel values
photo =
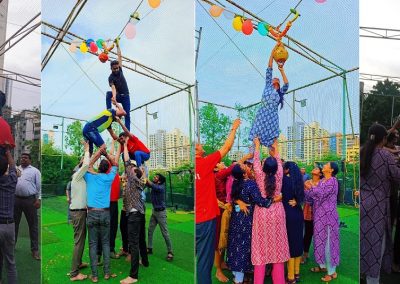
(130, 31)
(93, 47)
(320, 1)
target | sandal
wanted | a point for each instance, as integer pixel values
(328, 278)
(170, 256)
(318, 269)
(108, 276)
(297, 277)
(78, 277)
(94, 279)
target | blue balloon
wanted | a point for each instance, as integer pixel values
(89, 41)
(262, 28)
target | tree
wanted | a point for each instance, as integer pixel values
(247, 115)
(376, 106)
(73, 138)
(34, 150)
(214, 127)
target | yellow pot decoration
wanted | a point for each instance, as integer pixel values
(280, 54)
(237, 23)
(216, 11)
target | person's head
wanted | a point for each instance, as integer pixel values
(276, 83)
(317, 172)
(104, 166)
(115, 68)
(26, 159)
(199, 150)
(220, 166)
(3, 165)
(159, 179)
(122, 137)
(376, 138)
(330, 169)
(238, 175)
(270, 167)
(295, 175)
(393, 137)
(303, 171)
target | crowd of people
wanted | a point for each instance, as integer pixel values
(95, 193)
(379, 210)
(256, 215)
(20, 192)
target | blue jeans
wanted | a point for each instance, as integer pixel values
(140, 157)
(98, 223)
(126, 104)
(92, 135)
(205, 247)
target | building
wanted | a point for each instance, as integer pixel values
(283, 146)
(48, 137)
(295, 142)
(235, 155)
(157, 146)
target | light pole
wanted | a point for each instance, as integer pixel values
(155, 116)
(303, 103)
(55, 126)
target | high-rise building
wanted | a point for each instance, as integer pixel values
(295, 143)
(157, 146)
(283, 146)
(177, 148)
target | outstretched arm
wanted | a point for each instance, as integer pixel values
(271, 58)
(113, 135)
(118, 52)
(94, 159)
(120, 110)
(117, 119)
(285, 79)
(230, 140)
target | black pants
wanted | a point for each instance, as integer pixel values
(123, 227)
(308, 234)
(113, 224)
(134, 228)
(26, 206)
(142, 241)
(396, 252)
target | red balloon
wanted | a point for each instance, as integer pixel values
(93, 47)
(247, 27)
(103, 57)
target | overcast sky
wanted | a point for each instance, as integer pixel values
(331, 29)
(164, 41)
(24, 57)
(379, 56)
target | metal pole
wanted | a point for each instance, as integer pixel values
(190, 128)
(391, 117)
(294, 127)
(344, 120)
(197, 117)
(62, 143)
(147, 126)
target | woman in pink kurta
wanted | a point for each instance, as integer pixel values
(269, 237)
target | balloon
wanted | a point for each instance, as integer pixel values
(130, 31)
(72, 47)
(83, 47)
(154, 3)
(89, 41)
(320, 1)
(93, 47)
(262, 28)
(216, 11)
(247, 27)
(237, 23)
(103, 57)
(99, 43)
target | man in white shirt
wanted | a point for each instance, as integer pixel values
(27, 200)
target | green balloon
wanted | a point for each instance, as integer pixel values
(99, 43)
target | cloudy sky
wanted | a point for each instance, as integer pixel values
(24, 57)
(379, 56)
(164, 41)
(331, 29)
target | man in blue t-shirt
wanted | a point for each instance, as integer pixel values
(119, 88)
(98, 187)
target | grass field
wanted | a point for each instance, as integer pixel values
(28, 269)
(348, 270)
(58, 244)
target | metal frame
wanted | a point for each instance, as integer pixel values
(18, 77)
(380, 33)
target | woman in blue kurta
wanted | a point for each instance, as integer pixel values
(292, 198)
(240, 226)
(266, 124)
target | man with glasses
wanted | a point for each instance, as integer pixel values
(119, 88)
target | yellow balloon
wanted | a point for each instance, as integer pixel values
(83, 47)
(237, 23)
(154, 3)
(216, 11)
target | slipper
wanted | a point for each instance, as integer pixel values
(128, 281)
(170, 256)
(78, 277)
(328, 278)
(318, 269)
(108, 276)
(94, 279)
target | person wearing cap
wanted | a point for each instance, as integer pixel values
(266, 124)
(119, 88)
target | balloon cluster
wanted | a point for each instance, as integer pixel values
(246, 26)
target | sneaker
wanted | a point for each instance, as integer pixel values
(113, 255)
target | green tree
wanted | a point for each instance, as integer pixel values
(376, 106)
(214, 127)
(73, 138)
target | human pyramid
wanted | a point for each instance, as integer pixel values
(250, 216)
(95, 193)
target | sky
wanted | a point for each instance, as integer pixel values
(330, 29)
(379, 56)
(164, 41)
(24, 57)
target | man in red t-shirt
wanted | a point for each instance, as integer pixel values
(137, 150)
(207, 206)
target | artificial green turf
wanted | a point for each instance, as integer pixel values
(28, 269)
(348, 269)
(58, 244)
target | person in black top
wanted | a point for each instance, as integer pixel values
(159, 214)
(119, 88)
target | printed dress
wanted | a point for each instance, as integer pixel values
(266, 124)
(269, 241)
(326, 220)
(239, 236)
(375, 213)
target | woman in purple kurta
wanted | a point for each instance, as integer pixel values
(326, 222)
(378, 170)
